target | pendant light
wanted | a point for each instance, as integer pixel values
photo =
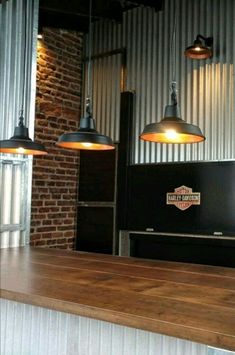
(20, 143)
(199, 50)
(172, 128)
(87, 137)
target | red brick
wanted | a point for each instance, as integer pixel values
(61, 241)
(39, 243)
(46, 229)
(51, 242)
(47, 222)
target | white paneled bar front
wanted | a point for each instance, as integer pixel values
(31, 330)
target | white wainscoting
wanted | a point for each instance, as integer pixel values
(31, 330)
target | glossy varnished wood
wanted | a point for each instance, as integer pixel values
(194, 302)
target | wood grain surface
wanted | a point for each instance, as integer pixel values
(194, 302)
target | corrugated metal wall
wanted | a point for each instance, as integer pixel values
(30, 330)
(16, 171)
(206, 89)
(107, 78)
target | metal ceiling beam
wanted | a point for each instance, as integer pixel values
(156, 4)
(100, 9)
(74, 14)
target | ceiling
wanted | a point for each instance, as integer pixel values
(73, 14)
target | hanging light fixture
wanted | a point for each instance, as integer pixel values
(20, 143)
(87, 137)
(172, 128)
(199, 50)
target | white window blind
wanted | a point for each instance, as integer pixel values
(16, 170)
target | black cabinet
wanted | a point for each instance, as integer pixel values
(97, 176)
(102, 180)
(95, 229)
(96, 204)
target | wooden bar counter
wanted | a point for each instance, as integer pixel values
(188, 301)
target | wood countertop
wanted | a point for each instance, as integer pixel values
(194, 302)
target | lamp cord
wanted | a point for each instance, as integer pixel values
(24, 28)
(173, 51)
(173, 59)
(88, 100)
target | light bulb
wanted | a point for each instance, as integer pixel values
(171, 134)
(87, 144)
(20, 150)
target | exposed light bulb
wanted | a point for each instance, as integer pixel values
(171, 134)
(20, 150)
(87, 145)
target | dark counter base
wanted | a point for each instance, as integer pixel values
(209, 251)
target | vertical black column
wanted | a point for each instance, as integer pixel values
(124, 156)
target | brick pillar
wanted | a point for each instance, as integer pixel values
(58, 109)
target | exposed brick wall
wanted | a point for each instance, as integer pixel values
(58, 103)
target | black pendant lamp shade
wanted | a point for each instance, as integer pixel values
(199, 50)
(87, 137)
(20, 143)
(172, 128)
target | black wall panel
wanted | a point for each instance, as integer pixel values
(149, 184)
(95, 229)
(220, 252)
(97, 175)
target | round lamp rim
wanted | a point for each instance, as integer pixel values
(202, 53)
(86, 137)
(29, 147)
(181, 128)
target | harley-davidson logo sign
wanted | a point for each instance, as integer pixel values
(183, 197)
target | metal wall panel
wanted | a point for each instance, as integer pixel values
(32, 330)
(206, 89)
(12, 188)
(16, 171)
(108, 69)
(105, 89)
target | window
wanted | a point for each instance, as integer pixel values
(16, 171)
